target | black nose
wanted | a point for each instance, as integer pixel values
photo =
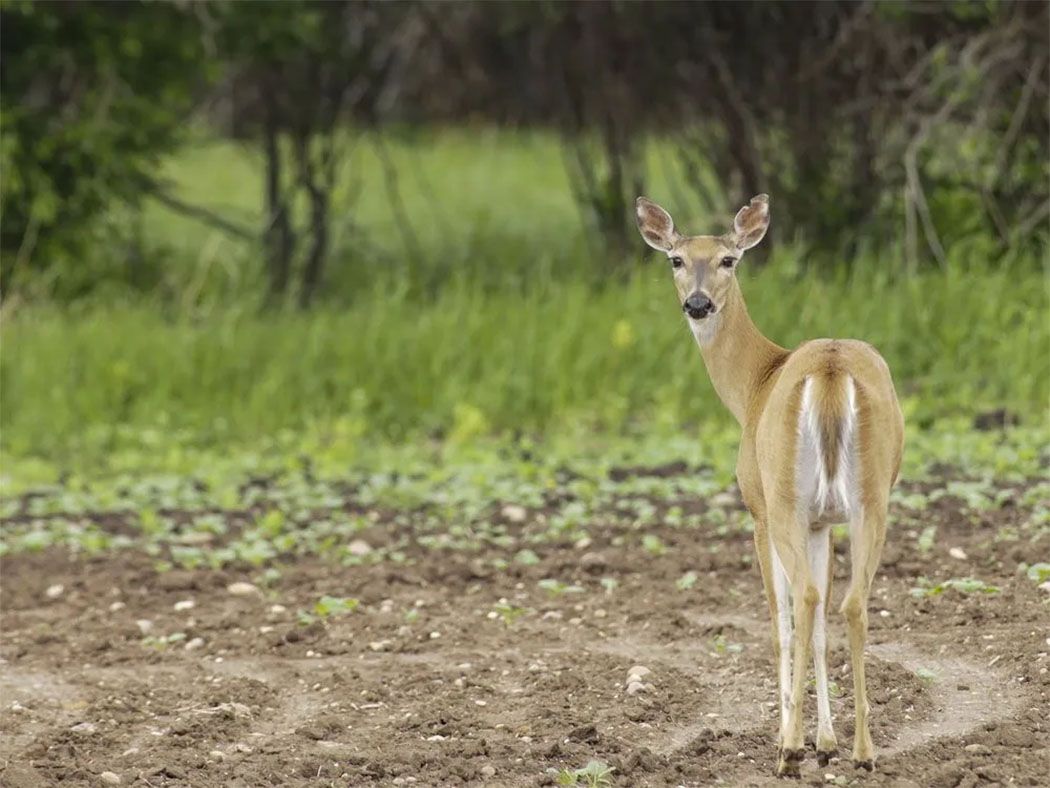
(698, 306)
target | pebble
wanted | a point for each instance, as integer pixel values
(635, 687)
(276, 610)
(435, 635)
(113, 608)
(637, 673)
(194, 644)
(380, 645)
(185, 604)
(86, 728)
(515, 513)
(359, 547)
(242, 589)
(110, 778)
(1046, 587)
(977, 749)
(600, 613)
(957, 553)
(55, 591)
(239, 747)
(217, 755)
(16, 706)
(488, 771)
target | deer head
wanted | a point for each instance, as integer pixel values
(704, 266)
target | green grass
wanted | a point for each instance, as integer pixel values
(470, 362)
(508, 321)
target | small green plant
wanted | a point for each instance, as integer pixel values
(723, 646)
(509, 613)
(610, 584)
(653, 545)
(595, 774)
(686, 581)
(161, 642)
(927, 675)
(557, 587)
(966, 585)
(1040, 573)
(925, 544)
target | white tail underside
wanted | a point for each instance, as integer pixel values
(825, 496)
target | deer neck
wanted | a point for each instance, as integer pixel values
(738, 357)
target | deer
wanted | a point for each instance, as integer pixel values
(822, 436)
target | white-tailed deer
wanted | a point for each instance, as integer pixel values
(821, 444)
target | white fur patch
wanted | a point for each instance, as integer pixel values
(705, 330)
(823, 498)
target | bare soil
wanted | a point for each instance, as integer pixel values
(426, 683)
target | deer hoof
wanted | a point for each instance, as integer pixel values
(868, 765)
(824, 756)
(790, 763)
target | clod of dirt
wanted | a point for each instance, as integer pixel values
(587, 734)
(109, 778)
(593, 562)
(241, 588)
(488, 771)
(359, 547)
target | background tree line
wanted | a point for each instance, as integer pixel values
(924, 124)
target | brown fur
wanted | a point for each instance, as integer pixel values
(761, 383)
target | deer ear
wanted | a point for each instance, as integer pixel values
(751, 222)
(655, 225)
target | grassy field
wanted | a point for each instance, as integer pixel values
(508, 321)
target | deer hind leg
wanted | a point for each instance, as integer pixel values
(790, 547)
(820, 567)
(867, 535)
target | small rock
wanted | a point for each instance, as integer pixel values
(110, 778)
(242, 589)
(380, 645)
(488, 771)
(16, 706)
(116, 606)
(515, 513)
(635, 687)
(1046, 587)
(359, 547)
(593, 562)
(184, 604)
(977, 749)
(957, 553)
(86, 728)
(276, 610)
(638, 672)
(217, 755)
(241, 747)
(55, 591)
(435, 635)
(600, 613)
(194, 644)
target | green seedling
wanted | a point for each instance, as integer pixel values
(610, 584)
(328, 606)
(686, 581)
(1040, 573)
(723, 646)
(653, 545)
(966, 585)
(509, 613)
(595, 774)
(557, 587)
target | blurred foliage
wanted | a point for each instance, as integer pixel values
(92, 95)
(915, 125)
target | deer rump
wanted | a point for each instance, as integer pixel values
(827, 457)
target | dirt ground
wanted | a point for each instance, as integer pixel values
(434, 681)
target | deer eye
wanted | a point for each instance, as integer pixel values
(677, 262)
(728, 262)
